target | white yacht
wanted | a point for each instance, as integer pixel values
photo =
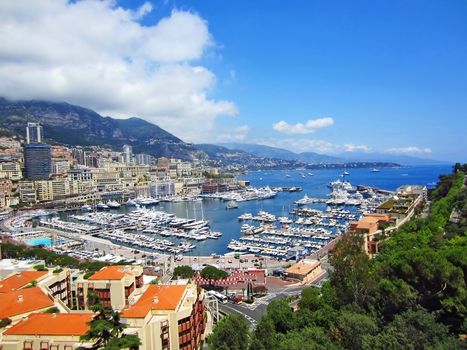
(101, 205)
(113, 204)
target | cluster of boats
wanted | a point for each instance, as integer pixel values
(248, 194)
(150, 221)
(66, 226)
(344, 194)
(144, 242)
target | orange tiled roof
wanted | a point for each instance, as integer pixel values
(23, 301)
(302, 268)
(168, 297)
(115, 272)
(52, 324)
(20, 280)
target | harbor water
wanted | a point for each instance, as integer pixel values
(314, 183)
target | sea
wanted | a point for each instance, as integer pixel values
(315, 185)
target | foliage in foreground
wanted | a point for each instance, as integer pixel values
(106, 329)
(183, 271)
(412, 296)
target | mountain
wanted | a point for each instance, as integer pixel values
(74, 125)
(316, 158)
(394, 158)
(233, 158)
(280, 153)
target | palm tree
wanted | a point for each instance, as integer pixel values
(117, 325)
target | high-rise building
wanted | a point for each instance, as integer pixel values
(127, 154)
(37, 161)
(33, 133)
(143, 159)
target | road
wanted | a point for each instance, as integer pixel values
(254, 312)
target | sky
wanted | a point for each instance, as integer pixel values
(336, 77)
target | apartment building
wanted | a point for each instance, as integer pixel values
(113, 285)
(168, 317)
(57, 283)
(27, 192)
(11, 170)
(51, 331)
(17, 304)
(370, 227)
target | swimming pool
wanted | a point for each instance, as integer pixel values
(44, 241)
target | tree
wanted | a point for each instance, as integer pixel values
(213, 273)
(281, 315)
(5, 322)
(311, 299)
(232, 332)
(106, 330)
(40, 268)
(350, 279)
(414, 329)
(352, 327)
(52, 310)
(309, 338)
(184, 271)
(131, 342)
(264, 337)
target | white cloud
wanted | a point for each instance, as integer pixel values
(350, 147)
(301, 145)
(96, 54)
(409, 150)
(234, 134)
(303, 128)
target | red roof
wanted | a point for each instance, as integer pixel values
(115, 272)
(19, 280)
(167, 297)
(23, 301)
(52, 324)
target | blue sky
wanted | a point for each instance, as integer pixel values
(328, 76)
(392, 74)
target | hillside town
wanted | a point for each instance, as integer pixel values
(60, 176)
(165, 297)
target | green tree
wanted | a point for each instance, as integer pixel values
(310, 338)
(232, 332)
(184, 271)
(352, 327)
(106, 331)
(412, 330)
(310, 299)
(351, 279)
(131, 342)
(264, 337)
(281, 315)
(212, 272)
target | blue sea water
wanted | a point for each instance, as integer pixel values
(226, 221)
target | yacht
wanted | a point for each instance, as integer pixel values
(345, 173)
(246, 216)
(374, 170)
(232, 205)
(101, 205)
(131, 203)
(86, 208)
(113, 204)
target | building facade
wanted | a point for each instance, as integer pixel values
(33, 133)
(113, 285)
(37, 161)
